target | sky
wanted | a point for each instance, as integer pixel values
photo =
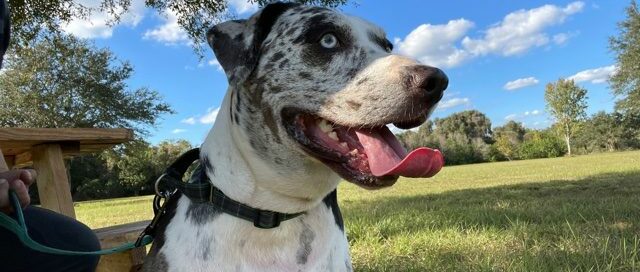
(498, 55)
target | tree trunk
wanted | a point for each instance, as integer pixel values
(568, 140)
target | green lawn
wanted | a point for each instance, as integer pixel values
(564, 214)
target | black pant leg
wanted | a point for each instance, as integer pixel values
(53, 230)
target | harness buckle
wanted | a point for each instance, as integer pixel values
(266, 219)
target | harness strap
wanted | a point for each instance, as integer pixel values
(202, 191)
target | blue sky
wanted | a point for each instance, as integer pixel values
(498, 55)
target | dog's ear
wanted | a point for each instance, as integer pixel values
(237, 43)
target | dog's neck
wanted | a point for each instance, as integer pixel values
(238, 175)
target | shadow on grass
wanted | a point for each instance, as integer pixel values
(587, 224)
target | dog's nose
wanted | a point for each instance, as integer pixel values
(430, 82)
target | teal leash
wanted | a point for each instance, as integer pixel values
(19, 227)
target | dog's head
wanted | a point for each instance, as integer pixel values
(313, 91)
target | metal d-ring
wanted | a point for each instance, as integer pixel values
(156, 186)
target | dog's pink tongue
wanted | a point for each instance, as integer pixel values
(387, 156)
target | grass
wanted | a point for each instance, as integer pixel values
(563, 214)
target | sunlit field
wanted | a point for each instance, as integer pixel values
(564, 214)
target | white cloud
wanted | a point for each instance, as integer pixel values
(453, 102)
(520, 83)
(532, 113)
(435, 44)
(560, 38)
(519, 31)
(243, 6)
(190, 121)
(97, 23)
(526, 114)
(210, 116)
(178, 130)
(169, 33)
(511, 117)
(596, 75)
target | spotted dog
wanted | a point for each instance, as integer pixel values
(311, 92)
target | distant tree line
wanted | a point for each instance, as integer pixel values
(468, 137)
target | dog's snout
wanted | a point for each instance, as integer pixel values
(430, 82)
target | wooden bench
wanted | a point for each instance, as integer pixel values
(116, 235)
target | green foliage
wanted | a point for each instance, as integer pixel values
(33, 19)
(508, 137)
(608, 132)
(567, 103)
(128, 170)
(626, 45)
(463, 137)
(541, 144)
(67, 82)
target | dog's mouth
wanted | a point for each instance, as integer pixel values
(369, 156)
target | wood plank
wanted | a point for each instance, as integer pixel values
(19, 140)
(53, 183)
(116, 235)
(3, 165)
(95, 135)
(119, 230)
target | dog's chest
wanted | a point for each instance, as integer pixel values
(219, 242)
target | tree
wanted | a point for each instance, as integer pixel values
(508, 138)
(567, 103)
(67, 82)
(626, 81)
(31, 19)
(139, 164)
(540, 144)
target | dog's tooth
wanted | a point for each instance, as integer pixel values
(333, 135)
(343, 144)
(353, 152)
(324, 126)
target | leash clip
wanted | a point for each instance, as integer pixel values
(159, 209)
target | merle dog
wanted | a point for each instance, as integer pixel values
(311, 92)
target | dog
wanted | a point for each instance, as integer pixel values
(311, 92)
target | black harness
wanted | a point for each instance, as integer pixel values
(200, 190)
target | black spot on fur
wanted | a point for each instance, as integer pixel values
(305, 75)
(270, 121)
(277, 56)
(291, 31)
(352, 72)
(306, 238)
(283, 63)
(239, 37)
(201, 213)
(204, 161)
(331, 201)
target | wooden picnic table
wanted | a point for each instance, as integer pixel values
(45, 150)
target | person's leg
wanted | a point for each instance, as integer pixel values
(54, 230)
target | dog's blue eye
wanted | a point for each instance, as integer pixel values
(329, 41)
